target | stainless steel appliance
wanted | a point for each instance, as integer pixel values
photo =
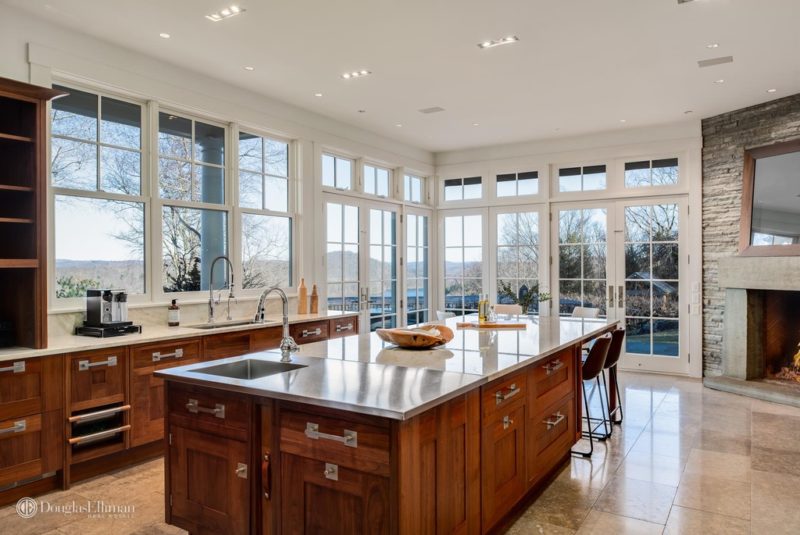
(106, 314)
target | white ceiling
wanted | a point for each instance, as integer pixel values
(580, 65)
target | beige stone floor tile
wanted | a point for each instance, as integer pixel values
(759, 405)
(590, 472)
(776, 461)
(564, 504)
(601, 523)
(528, 524)
(719, 465)
(776, 432)
(723, 442)
(644, 500)
(655, 468)
(159, 529)
(684, 521)
(147, 510)
(775, 503)
(677, 445)
(714, 495)
(45, 519)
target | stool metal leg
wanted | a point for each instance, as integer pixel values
(591, 442)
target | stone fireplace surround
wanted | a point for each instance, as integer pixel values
(743, 345)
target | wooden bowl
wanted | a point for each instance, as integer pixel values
(423, 337)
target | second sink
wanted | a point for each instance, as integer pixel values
(249, 369)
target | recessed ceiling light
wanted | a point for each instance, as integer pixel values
(164, 35)
(249, 68)
(712, 45)
(356, 74)
(225, 13)
(772, 90)
(317, 95)
(623, 120)
(720, 81)
(497, 42)
(398, 125)
(476, 124)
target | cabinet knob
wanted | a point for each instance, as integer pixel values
(241, 470)
(507, 422)
(331, 471)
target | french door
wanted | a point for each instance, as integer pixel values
(361, 261)
(629, 260)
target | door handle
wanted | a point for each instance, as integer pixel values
(17, 367)
(621, 297)
(610, 297)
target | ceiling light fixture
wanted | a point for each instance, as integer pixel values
(476, 124)
(772, 90)
(712, 45)
(498, 42)
(318, 95)
(164, 35)
(356, 74)
(398, 125)
(623, 120)
(225, 13)
(249, 68)
(720, 81)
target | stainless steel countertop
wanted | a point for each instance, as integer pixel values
(363, 374)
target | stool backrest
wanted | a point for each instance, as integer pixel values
(585, 312)
(441, 315)
(615, 349)
(596, 359)
(513, 310)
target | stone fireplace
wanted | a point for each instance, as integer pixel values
(761, 328)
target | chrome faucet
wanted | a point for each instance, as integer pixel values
(288, 345)
(211, 303)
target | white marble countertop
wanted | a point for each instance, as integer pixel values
(150, 333)
(364, 374)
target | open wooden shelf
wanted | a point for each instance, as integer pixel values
(9, 187)
(19, 220)
(19, 263)
(13, 137)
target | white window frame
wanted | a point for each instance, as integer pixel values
(78, 303)
(441, 214)
(432, 256)
(481, 201)
(390, 189)
(291, 208)
(354, 173)
(582, 193)
(409, 177)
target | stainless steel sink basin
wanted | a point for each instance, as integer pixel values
(221, 325)
(249, 369)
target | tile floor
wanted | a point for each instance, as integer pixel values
(686, 460)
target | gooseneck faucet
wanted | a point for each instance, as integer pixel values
(211, 303)
(288, 345)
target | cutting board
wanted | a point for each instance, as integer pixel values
(490, 325)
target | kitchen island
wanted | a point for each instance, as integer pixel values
(357, 436)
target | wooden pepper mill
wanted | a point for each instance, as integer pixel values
(302, 298)
(314, 300)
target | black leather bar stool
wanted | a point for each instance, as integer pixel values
(614, 352)
(592, 369)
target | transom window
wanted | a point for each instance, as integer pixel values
(587, 178)
(413, 188)
(461, 189)
(651, 173)
(96, 178)
(514, 184)
(376, 180)
(337, 172)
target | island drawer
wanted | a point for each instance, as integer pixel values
(97, 378)
(313, 331)
(343, 442)
(214, 411)
(504, 392)
(344, 326)
(551, 433)
(166, 355)
(552, 379)
(31, 386)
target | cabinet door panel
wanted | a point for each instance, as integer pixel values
(208, 494)
(97, 377)
(312, 502)
(503, 466)
(31, 386)
(550, 436)
(30, 446)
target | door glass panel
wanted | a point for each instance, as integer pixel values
(382, 269)
(518, 259)
(463, 263)
(651, 280)
(583, 252)
(342, 257)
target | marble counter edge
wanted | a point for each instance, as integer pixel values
(150, 334)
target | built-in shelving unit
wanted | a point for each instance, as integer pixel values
(23, 228)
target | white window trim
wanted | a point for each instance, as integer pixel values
(441, 214)
(480, 202)
(432, 256)
(355, 175)
(391, 187)
(555, 188)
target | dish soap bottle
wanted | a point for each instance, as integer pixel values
(174, 314)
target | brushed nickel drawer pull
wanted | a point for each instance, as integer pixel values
(349, 439)
(501, 396)
(551, 423)
(17, 367)
(553, 366)
(84, 365)
(158, 356)
(89, 416)
(194, 407)
(507, 422)
(241, 470)
(101, 434)
(18, 427)
(331, 471)
(307, 333)
(346, 327)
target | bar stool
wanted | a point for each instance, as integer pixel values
(614, 352)
(592, 369)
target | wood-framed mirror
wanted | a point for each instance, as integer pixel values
(770, 222)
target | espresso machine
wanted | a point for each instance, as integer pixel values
(107, 314)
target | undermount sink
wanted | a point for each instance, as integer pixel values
(249, 369)
(222, 325)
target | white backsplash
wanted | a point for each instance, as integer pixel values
(60, 323)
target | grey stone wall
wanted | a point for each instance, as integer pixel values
(725, 138)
